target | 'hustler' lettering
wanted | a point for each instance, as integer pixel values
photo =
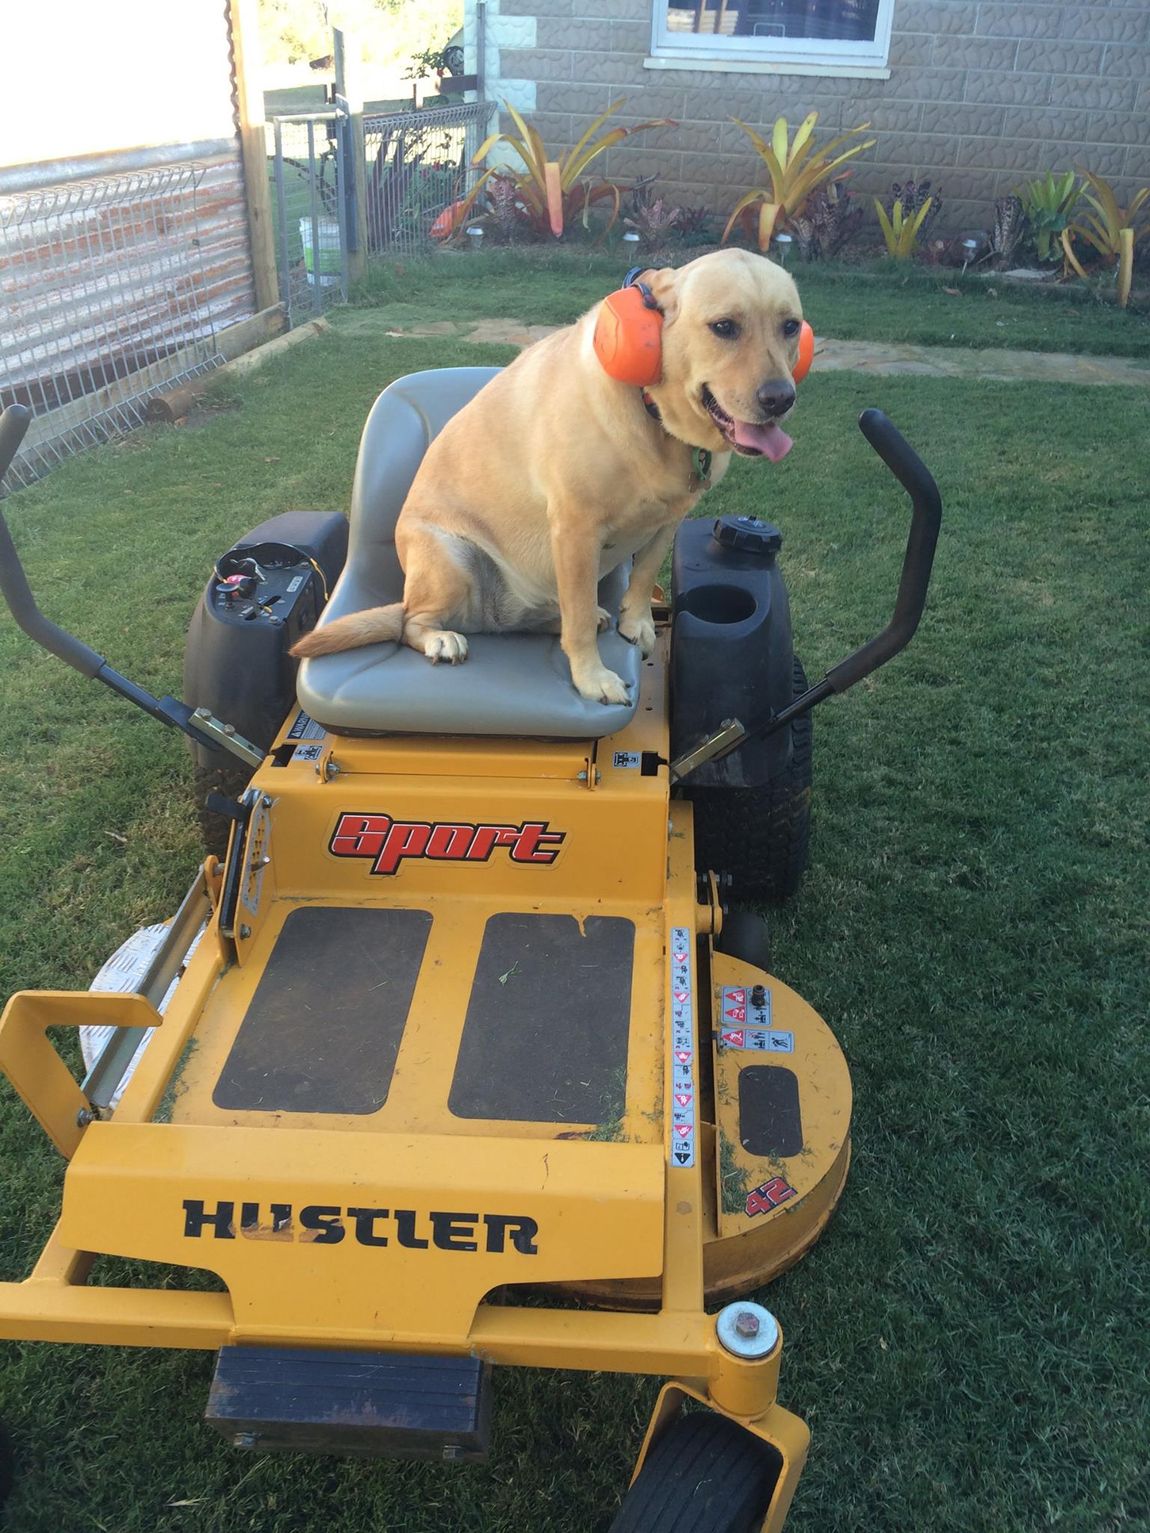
(324, 1224)
(390, 842)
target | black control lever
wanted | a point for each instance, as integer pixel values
(926, 518)
(199, 725)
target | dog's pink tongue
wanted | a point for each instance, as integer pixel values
(771, 440)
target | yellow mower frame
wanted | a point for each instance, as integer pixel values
(414, 1226)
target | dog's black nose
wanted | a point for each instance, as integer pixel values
(776, 396)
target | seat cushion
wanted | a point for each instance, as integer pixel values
(511, 684)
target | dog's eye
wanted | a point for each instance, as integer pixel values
(791, 328)
(725, 329)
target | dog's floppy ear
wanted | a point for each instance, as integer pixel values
(629, 328)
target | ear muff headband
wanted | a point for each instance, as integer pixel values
(629, 339)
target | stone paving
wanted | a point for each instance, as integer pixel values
(836, 356)
(965, 362)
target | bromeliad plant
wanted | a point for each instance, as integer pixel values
(1047, 202)
(796, 167)
(1111, 229)
(901, 230)
(829, 219)
(1009, 227)
(653, 218)
(554, 193)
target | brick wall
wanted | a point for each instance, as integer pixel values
(980, 95)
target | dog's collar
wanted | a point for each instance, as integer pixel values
(700, 456)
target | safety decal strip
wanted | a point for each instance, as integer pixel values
(683, 1123)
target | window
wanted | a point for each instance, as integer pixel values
(848, 36)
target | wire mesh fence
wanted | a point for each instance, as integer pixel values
(311, 212)
(103, 303)
(418, 164)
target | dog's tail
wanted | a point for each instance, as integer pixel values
(352, 632)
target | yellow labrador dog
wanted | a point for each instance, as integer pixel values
(556, 473)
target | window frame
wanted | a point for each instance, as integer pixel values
(775, 55)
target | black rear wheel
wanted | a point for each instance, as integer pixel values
(760, 836)
(7, 1466)
(705, 1474)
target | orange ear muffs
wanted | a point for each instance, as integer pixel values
(806, 353)
(629, 337)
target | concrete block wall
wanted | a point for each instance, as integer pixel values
(981, 95)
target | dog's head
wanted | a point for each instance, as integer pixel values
(731, 323)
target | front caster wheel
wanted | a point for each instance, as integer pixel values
(745, 936)
(704, 1475)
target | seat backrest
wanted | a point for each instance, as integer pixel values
(405, 418)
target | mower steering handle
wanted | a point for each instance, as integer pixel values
(14, 583)
(926, 518)
(14, 422)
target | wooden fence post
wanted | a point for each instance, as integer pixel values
(349, 85)
(247, 83)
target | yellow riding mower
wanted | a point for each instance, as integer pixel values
(465, 1053)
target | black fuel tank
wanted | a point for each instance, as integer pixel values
(732, 653)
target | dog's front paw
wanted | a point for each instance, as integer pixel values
(638, 629)
(602, 686)
(442, 645)
(604, 620)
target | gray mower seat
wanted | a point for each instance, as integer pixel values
(511, 684)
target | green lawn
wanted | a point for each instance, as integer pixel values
(968, 1342)
(850, 303)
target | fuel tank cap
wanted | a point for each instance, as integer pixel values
(748, 535)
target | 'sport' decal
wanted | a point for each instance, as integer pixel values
(388, 842)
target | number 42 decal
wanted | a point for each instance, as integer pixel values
(768, 1196)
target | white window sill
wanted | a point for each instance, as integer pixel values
(717, 64)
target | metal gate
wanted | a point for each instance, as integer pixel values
(338, 205)
(314, 209)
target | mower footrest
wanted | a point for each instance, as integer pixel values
(365, 1403)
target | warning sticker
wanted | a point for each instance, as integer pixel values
(740, 1004)
(310, 752)
(767, 1040)
(305, 728)
(683, 1124)
(630, 760)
